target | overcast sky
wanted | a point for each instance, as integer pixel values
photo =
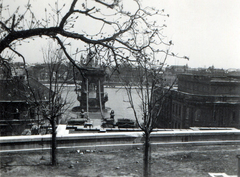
(207, 31)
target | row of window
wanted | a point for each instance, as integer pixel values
(177, 109)
(200, 87)
(222, 115)
(193, 86)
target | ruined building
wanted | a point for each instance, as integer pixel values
(203, 100)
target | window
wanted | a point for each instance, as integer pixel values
(233, 116)
(179, 112)
(214, 115)
(173, 108)
(197, 115)
(16, 114)
(187, 113)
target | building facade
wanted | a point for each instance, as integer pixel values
(18, 111)
(203, 100)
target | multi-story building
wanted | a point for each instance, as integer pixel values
(203, 100)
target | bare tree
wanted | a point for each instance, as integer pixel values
(57, 105)
(118, 31)
(116, 35)
(148, 83)
(50, 103)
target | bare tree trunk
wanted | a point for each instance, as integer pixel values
(147, 155)
(54, 143)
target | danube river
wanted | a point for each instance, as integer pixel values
(117, 101)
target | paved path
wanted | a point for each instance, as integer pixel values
(221, 175)
(61, 130)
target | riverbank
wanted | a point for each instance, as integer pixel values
(167, 161)
(117, 102)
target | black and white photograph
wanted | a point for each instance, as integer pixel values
(120, 88)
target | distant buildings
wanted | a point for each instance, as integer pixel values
(41, 72)
(203, 99)
(171, 72)
(200, 97)
(123, 74)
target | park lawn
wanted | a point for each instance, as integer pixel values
(167, 161)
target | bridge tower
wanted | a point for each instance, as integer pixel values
(92, 96)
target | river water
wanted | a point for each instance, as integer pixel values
(117, 101)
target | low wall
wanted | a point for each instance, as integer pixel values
(117, 138)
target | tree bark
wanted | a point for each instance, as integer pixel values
(54, 143)
(147, 155)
